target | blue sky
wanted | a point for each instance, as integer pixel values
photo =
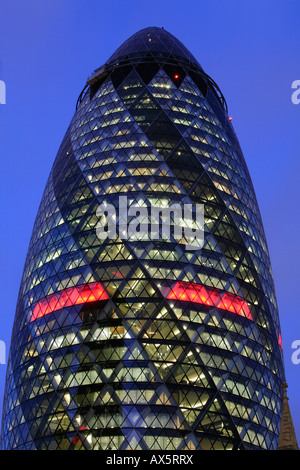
(250, 48)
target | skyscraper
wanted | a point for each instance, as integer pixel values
(128, 339)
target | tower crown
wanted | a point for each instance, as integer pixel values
(153, 41)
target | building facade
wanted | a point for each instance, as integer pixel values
(127, 341)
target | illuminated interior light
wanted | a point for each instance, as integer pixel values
(67, 397)
(77, 439)
(189, 292)
(77, 295)
(280, 341)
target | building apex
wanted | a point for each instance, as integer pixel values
(153, 41)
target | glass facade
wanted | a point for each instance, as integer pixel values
(145, 344)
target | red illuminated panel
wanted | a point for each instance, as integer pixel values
(199, 294)
(280, 340)
(72, 296)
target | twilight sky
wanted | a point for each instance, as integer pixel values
(250, 48)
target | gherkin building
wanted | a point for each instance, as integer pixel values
(146, 342)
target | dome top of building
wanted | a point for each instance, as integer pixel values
(156, 42)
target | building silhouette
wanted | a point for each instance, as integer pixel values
(146, 343)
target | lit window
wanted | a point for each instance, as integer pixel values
(77, 295)
(209, 296)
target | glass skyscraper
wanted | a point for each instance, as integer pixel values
(143, 342)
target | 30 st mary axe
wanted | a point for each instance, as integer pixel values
(145, 344)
